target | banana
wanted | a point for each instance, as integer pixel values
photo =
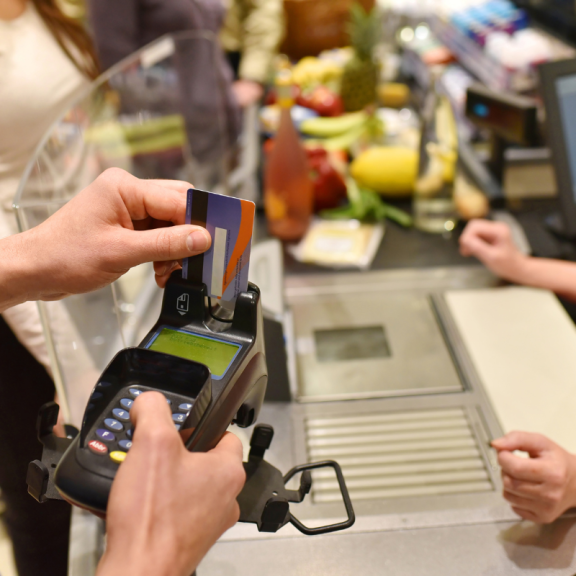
(346, 140)
(329, 127)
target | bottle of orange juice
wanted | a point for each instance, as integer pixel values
(288, 189)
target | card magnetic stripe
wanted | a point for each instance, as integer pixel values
(198, 217)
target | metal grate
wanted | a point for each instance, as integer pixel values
(397, 455)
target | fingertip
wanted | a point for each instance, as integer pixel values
(230, 443)
(150, 405)
(506, 460)
(164, 268)
(162, 279)
(498, 443)
(464, 249)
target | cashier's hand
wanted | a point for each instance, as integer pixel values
(539, 488)
(168, 506)
(114, 224)
(492, 244)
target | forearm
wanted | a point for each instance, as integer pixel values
(142, 564)
(16, 272)
(555, 275)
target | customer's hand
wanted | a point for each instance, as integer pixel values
(247, 92)
(539, 488)
(115, 223)
(168, 506)
(492, 244)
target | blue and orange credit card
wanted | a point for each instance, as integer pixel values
(224, 267)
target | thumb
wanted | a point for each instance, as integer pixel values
(165, 244)
(231, 445)
(534, 444)
(150, 411)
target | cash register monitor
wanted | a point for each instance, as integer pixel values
(558, 87)
(556, 15)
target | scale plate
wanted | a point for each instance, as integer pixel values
(350, 347)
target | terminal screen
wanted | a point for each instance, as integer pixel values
(215, 354)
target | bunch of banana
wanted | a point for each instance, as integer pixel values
(342, 132)
(311, 70)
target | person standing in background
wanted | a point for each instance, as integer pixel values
(251, 35)
(250, 32)
(208, 105)
(46, 61)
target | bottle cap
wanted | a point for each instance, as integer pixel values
(284, 88)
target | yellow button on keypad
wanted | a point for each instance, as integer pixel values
(117, 456)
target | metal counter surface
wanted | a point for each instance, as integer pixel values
(473, 534)
(488, 540)
(503, 549)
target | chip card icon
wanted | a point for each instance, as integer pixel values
(182, 304)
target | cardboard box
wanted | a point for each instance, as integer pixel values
(316, 25)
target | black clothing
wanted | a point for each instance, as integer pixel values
(39, 532)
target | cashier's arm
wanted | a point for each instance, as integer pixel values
(541, 487)
(492, 244)
(114, 224)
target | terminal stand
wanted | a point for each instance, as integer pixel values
(264, 500)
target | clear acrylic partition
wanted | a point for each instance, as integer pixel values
(160, 113)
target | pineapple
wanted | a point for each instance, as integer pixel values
(360, 77)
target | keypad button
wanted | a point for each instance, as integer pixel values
(134, 391)
(169, 401)
(113, 424)
(126, 403)
(179, 418)
(125, 444)
(129, 433)
(103, 384)
(90, 406)
(96, 396)
(117, 456)
(97, 447)
(178, 426)
(185, 407)
(105, 435)
(123, 415)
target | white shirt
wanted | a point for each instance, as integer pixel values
(37, 83)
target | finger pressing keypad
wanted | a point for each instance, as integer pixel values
(112, 435)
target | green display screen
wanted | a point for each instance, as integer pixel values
(215, 354)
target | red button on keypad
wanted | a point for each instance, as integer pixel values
(97, 447)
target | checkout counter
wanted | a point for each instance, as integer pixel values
(448, 360)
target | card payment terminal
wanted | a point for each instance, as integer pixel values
(212, 373)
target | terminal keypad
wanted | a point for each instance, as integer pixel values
(112, 436)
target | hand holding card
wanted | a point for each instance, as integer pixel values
(224, 267)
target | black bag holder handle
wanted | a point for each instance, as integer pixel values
(264, 500)
(40, 476)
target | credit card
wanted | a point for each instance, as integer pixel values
(230, 221)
